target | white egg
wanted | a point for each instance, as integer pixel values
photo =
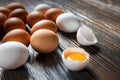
(85, 36)
(42, 8)
(67, 22)
(72, 64)
(13, 55)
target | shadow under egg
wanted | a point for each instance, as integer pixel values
(48, 60)
(16, 74)
(84, 74)
(91, 49)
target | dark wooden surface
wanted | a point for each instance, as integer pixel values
(103, 17)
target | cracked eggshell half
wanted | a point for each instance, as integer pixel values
(85, 36)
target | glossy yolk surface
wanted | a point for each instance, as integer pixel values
(76, 56)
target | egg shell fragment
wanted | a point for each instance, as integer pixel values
(85, 36)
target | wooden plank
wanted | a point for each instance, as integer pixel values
(103, 17)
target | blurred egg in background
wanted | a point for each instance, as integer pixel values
(13, 23)
(42, 8)
(44, 24)
(53, 13)
(18, 35)
(34, 17)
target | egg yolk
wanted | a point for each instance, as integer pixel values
(76, 56)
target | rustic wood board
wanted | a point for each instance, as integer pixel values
(103, 17)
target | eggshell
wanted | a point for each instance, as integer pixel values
(14, 5)
(74, 65)
(42, 8)
(34, 17)
(3, 17)
(44, 24)
(5, 10)
(13, 55)
(44, 41)
(19, 13)
(13, 23)
(18, 35)
(67, 22)
(53, 13)
(85, 36)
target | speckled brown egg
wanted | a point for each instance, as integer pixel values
(13, 23)
(5, 10)
(3, 17)
(44, 24)
(34, 17)
(19, 13)
(18, 35)
(15, 5)
(53, 13)
(44, 41)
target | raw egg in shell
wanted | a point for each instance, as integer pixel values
(75, 59)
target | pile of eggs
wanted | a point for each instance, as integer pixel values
(44, 23)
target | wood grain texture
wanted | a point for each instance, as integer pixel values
(103, 17)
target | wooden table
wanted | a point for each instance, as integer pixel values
(103, 17)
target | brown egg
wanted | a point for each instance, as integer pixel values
(44, 41)
(53, 13)
(19, 13)
(13, 23)
(3, 17)
(44, 24)
(34, 17)
(5, 10)
(18, 35)
(15, 5)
